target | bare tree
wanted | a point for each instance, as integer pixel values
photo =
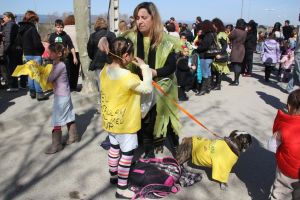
(82, 18)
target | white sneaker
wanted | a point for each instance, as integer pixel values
(12, 89)
(124, 194)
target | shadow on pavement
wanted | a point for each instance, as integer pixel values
(271, 100)
(256, 168)
(83, 120)
(107, 189)
(258, 64)
(273, 84)
(7, 97)
(14, 187)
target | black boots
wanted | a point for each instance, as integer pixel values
(217, 85)
(41, 96)
(205, 87)
(181, 94)
(236, 79)
(32, 94)
(268, 71)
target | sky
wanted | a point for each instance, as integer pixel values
(265, 12)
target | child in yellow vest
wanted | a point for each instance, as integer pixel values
(120, 109)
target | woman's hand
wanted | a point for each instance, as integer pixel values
(103, 45)
(154, 73)
(218, 56)
(75, 61)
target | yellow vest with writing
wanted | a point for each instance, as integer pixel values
(215, 154)
(120, 105)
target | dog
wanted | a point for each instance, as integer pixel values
(220, 154)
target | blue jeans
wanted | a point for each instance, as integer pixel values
(32, 84)
(206, 67)
(259, 47)
(295, 80)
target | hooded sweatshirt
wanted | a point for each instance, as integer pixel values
(288, 152)
(30, 39)
(63, 38)
(271, 53)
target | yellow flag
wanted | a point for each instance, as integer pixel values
(36, 72)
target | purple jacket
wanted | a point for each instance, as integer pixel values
(271, 53)
(59, 78)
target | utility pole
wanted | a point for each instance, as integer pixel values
(242, 8)
(113, 15)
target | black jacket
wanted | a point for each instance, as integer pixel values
(30, 39)
(287, 32)
(10, 32)
(189, 35)
(98, 58)
(183, 72)
(63, 38)
(206, 40)
(251, 41)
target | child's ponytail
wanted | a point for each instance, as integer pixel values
(120, 46)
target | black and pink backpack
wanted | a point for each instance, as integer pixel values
(155, 177)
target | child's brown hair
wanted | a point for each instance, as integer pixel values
(59, 48)
(294, 102)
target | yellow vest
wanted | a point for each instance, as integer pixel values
(215, 154)
(120, 105)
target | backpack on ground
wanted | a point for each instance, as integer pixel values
(155, 177)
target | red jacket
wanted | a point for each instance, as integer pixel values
(288, 153)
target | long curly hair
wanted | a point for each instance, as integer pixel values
(207, 27)
(219, 25)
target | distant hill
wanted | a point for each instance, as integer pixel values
(51, 18)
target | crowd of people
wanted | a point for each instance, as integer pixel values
(147, 50)
(233, 50)
(21, 43)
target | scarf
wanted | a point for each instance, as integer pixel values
(141, 52)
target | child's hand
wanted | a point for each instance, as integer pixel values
(193, 67)
(138, 62)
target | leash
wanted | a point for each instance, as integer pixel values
(192, 117)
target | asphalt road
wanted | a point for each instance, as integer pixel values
(80, 171)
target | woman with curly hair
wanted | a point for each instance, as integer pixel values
(220, 66)
(207, 38)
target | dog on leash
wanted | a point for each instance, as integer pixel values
(219, 154)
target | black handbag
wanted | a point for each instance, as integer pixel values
(214, 48)
(222, 58)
